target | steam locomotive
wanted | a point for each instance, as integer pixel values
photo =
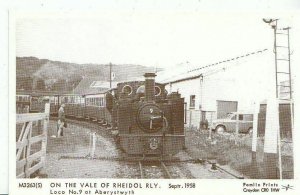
(150, 121)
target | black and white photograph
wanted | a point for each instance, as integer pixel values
(153, 95)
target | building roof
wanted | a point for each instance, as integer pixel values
(96, 85)
(93, 85)
(181, 74)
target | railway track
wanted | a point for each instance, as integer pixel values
(146, 169)
(159, 165)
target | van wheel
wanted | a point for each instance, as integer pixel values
(220, 129)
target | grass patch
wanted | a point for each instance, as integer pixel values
(237, 155)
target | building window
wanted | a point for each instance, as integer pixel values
(192, 101)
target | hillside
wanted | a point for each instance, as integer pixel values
(43, 74)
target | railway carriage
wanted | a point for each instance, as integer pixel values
(95, 107)
(74, 105)
(22, 103)
(54, 105)
(79, 107)
(98, 107)
(37, 103)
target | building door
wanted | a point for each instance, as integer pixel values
(225, 107)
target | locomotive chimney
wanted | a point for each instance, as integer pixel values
(149, 86)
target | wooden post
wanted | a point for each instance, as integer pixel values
(236, 128)
(272, 138)
(90, 144)
(254, 140)
(93, 145)
(45, 134)
(210, 126)
(28, 164)
(190, 121)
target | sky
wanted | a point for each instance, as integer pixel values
(152, 38)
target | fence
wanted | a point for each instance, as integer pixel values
(31, 142)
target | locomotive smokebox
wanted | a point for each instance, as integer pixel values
(149, 86)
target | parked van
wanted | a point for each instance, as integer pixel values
(228, 124)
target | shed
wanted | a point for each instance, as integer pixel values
(229, 85)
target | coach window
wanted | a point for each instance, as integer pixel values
(101, 101)
(104, 102)
(192, 101)
(97, 101)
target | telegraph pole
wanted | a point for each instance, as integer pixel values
(272, 117)
(272, 157)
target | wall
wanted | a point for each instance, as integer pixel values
(245, 81)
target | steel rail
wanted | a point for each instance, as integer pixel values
(141, 170)
(165, 170)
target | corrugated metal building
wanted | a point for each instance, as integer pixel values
(213, 90)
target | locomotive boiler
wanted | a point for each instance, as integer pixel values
(150, 121)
